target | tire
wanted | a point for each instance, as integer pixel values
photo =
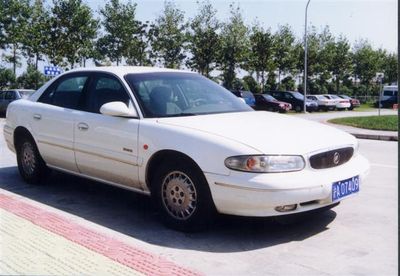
(31, 165)
(351, 108)
(182, 196)
(298, 108)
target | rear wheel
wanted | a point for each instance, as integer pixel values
(182, 196)
(31, 166)
(298, 108)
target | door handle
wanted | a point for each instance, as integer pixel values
(83, 126)
(37, 116)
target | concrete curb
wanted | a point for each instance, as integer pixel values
(375, 137)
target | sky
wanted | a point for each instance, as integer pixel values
(375, 21)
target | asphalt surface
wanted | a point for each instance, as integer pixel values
(359, 237)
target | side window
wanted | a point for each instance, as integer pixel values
(288, 96)
(2, 93)
(10, 95)
(66, 93)
(105, 89)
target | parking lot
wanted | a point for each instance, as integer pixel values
(358, 237)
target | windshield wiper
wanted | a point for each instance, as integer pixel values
(180, 114)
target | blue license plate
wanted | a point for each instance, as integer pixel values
(345, 187)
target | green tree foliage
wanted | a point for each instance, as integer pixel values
(203, 39)
(366, 62)
(284, 55)
(7, 78)
(34, 39)
(390, 68)
(14, 16)
(31, 79)
(261, 54)
(124, 36)
(167, 36)
(71, 29)
(250, 84)
(340, 62)
(234, 46)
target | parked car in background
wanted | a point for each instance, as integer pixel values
(341, 104)
(389, 91)
(353, 102)
(388, 102)
(269, 103)
(296, 99)
(184, 140)
(246, 95)
(8, 96)
(323, 102)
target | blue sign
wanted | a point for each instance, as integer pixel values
(52, 71)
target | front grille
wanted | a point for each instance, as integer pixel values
(332, 158)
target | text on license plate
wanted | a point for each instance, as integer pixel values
(345, 187)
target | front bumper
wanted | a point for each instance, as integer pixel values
(249, 194)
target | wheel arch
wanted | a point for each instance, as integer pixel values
(162, 156)
(19, 133)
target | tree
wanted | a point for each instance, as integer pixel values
(71, 30)
(7, 78)
(389, 66)
(366, 63)
(34, 40)
(234, 46)
(284, 50)
(340, 63)
(13, 24)
(203, 40)
(261, 54)
(167, 36)
(123, 34)
(250, 84)
(31, 78)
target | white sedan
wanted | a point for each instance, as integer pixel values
(183, 139)
(340, 102)
(323, 102)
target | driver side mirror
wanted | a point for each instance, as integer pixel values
(118, 109)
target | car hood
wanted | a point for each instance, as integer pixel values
(266, 132)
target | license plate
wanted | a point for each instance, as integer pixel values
(345, 187)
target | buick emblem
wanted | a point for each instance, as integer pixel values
(336, 158)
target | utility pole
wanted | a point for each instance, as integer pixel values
(305, 58)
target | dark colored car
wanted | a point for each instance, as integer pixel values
(269, 103)
(8, 96)
(353, 102)
(296, 99)
(246, 95)
(389, 102)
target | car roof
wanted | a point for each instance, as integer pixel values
(123, 70)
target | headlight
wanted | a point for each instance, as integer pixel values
(265, 163)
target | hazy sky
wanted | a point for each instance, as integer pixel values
(356, 19)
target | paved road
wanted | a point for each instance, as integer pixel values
(359, 237)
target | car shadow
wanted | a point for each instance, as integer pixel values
(133, 214)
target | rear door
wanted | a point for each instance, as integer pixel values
(53, 119)
(106, 147)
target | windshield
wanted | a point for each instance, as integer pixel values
(26, 93)
(171, 94)
(298, 95)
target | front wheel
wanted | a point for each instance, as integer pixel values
(31, 166)
(298, 108)
(183, 197)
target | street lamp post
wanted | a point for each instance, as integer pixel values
(305, 58)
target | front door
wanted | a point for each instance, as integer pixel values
(106, 147)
